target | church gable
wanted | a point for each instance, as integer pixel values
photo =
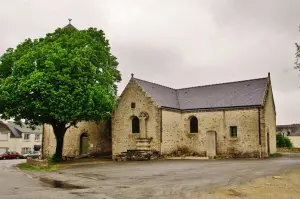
(136, 116)
(134, 92)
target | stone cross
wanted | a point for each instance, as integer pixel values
(143, 116)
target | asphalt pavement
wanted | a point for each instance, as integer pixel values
(149, 179)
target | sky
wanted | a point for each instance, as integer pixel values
(179, 43)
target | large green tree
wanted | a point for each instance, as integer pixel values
(61, 79)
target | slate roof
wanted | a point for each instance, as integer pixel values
(16, 130)
(24, 128)
(294, 129)
(70, 26)
(232, 94)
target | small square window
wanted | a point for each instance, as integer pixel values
(26, 136)
(233, 131)
(132, 105)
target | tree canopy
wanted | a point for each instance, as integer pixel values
(61, 79)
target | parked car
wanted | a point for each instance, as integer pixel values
(10, 155)
(34, 154)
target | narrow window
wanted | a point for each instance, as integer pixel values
(135, 125)
(233, 131)
(132, 105)
(193, 125)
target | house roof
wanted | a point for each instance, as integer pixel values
(225, 95)
(24, 128)
(294, 129)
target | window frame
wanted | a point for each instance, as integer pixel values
(37, 136)
(194, 125)
(25, 136)
(232, 133)
(26, 151)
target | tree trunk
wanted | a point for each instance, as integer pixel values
(59, 132)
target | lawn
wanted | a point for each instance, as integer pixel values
(51, 167)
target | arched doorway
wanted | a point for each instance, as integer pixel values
(84, 143)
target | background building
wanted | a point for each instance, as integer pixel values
(20, 139)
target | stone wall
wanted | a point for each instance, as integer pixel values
(270, 121)
(172, 128)
(99, 139)
(169, 129)
(176, 133)
(37, 162)
(122, 137)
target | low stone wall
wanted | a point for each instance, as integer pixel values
(185, 151)
(137, 155)
(37, 162)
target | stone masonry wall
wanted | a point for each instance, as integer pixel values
(172, 127)
(270, 120)
(99, 139)
(175, 127)
(122, 137)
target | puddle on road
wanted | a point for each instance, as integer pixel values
(92, 176)
(60, 184)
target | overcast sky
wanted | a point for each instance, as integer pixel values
(180, 43)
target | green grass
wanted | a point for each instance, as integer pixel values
(24, 166)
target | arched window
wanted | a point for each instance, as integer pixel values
(193, 125)
(135, 125)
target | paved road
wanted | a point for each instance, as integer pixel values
(15, 184)
(155, 179)
(183, 178)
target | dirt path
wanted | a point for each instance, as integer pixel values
(284, 186)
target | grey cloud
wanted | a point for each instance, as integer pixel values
(179, 43)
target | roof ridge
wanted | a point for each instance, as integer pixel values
(222, 83)
(155, 83)
(202, 85)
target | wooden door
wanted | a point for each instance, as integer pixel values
(84, 144)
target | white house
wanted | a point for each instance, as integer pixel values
(20, 139)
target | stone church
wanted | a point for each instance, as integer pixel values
(234, 119)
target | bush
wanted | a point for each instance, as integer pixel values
(288, 142)
(282, 141)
